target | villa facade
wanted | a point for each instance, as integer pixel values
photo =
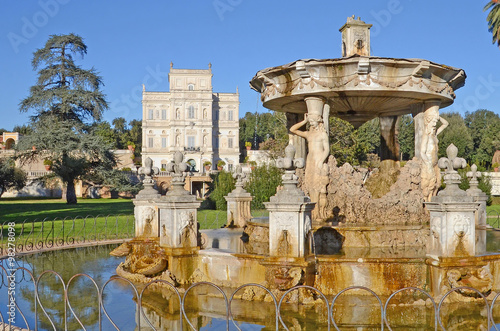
(191, 118)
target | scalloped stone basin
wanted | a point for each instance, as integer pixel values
(358, 88)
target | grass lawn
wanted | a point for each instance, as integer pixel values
(17, 210)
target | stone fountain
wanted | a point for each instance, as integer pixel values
(326, 229)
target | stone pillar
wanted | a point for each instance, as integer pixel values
(418, 122)
(178, 210)
(480, 197)
(298, 142)
(289, 212)
(389, 144)
(452, 214)
(145, 210)
(238, 202)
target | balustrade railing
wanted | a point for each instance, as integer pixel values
(439, 311)
(46, 234)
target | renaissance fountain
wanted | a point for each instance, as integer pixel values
(329, 228)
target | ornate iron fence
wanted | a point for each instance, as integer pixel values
(182, 319)
(46, 234)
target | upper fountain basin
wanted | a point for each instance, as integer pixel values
(358, 88)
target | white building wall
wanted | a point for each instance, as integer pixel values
(191, 87)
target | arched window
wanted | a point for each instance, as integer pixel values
(190, 87)
(192, 165)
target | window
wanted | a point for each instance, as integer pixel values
(230, 142)
(190, 142)
(163, 142)
(150, 114)
(190, 112)
(230, 115)
(191, 87)
(230, 167)
(150, 142)
(164, 166)
(163, 114)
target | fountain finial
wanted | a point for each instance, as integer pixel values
(148, 171)
(473, 175)
(355, 37)
(179, 170)
(452, 177)
(289, 164)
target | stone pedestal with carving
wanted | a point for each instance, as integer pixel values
(145, 210)
(480, 215)
(238, 203)
(178, 211)
(453, 227)
(289, 212)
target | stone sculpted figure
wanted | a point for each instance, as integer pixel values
(316, 168)
(431, 176)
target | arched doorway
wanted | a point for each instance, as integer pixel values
(10, 143)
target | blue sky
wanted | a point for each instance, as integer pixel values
(133, 42)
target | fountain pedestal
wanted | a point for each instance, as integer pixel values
(178, 210)
(289, 212)
(453, 226)
(454, 249)
(238, 203)
(145, 211)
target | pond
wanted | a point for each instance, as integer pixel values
(204, 308)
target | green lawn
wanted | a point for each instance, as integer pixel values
(17, 210)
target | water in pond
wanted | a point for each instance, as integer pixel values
(204, 310)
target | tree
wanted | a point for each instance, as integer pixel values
(66, 100)
(222, 184)
(103, 129)
(262, 184)
(24, 129)
(406, 137)
(63, 89)
(484, 128)
(368, 138)
(274, 148)
(493, 19)
(257, 128)
(343, 143)
(456, 133)
(75, 153)
(10, 176)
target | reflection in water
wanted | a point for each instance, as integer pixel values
(204, 308)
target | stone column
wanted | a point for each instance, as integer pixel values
(238, 202)
(389, 144)
(298, 142)
(178, 210)
(418, 122)
(480, 214)
(145, 210)
(452, 214)
(289, 212)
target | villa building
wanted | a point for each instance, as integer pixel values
(191, 118)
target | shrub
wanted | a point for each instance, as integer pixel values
(47, 162)
(262, 184)
(222, 183)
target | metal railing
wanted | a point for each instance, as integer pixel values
(57, 233)
(279, 320)
(493, 219)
